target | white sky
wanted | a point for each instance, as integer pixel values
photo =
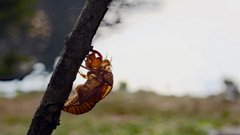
(189, 46)
(186, 47)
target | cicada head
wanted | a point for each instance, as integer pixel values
(92, 61)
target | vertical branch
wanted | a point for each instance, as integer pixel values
(76, 46)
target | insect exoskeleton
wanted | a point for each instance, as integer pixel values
(98, 85)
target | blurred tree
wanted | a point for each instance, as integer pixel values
(15, 21)
(15, 16)
(33, 28)
(123, 86)
(232, 93)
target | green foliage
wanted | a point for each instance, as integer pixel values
(15, 15)
(14, 125)
(186, 130)
(12, 120)
(11, 62)
(122, 113)
(228, 82)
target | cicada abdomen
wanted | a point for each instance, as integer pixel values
(73, 106)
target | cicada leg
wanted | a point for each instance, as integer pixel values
(83, 75)
(99, 54)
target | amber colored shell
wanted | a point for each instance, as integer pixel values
(98, 85)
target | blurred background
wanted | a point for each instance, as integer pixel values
(171, 60)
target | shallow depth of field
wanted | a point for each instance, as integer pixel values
(123, 113)
(171, 47)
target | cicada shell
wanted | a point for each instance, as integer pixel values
(98, 85)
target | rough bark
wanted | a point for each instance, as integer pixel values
(76, 46)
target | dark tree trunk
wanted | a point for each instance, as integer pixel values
(77, 46)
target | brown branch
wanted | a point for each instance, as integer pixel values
(77, 46)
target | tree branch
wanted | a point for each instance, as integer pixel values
(77, 46)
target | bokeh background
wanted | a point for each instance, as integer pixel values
(175, 65)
